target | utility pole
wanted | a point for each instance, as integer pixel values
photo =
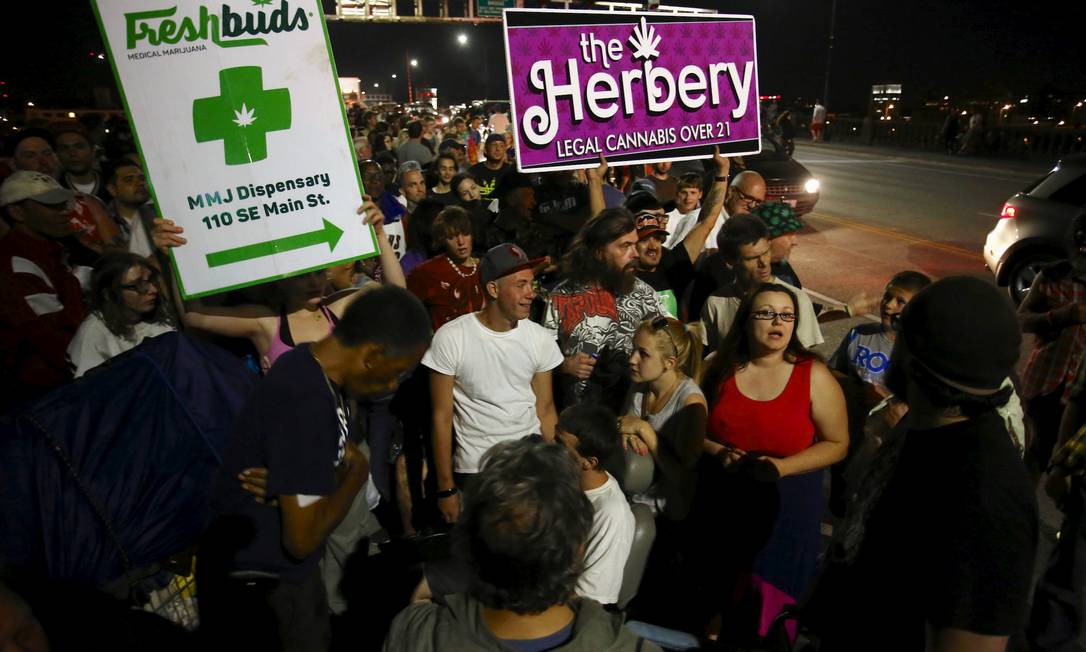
(829, 55)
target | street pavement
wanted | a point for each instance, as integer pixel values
(883, 211)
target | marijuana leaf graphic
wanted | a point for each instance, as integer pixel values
(261, 2)
(645, 41)
(244, 116)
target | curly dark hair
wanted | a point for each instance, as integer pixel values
(583, 263)
(735, 351)
(524, 526)
(106, 296)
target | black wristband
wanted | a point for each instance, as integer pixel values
(447, 493)
(720, 179)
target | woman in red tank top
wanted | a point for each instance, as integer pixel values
(776, 419)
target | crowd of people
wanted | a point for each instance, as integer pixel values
(478, 393)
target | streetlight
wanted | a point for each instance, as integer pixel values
(412, 63)
(462, 39)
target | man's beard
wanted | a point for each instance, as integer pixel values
(617, 281)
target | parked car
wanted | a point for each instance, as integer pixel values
(1032, 226)
(786, 180)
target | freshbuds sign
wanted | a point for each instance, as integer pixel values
(636, 87)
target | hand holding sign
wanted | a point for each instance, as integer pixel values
(167, 235)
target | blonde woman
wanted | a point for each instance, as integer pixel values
(666, 411)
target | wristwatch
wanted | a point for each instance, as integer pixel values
(446, 493)
(720, 179)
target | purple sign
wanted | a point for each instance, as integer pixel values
(637, 87)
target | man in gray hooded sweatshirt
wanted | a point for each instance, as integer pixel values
(523, 531)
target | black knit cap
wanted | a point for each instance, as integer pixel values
(965, 331)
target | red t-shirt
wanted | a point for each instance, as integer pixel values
(447, 290)
(779, 427)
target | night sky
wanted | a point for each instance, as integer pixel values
(959, 48)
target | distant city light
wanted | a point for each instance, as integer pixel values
(71, 114)
(462, 39)
(946, 97)
(394, 75)
(30, 104)
(415, 62)
(1023, 100)
(377, 86)
(1060, 123)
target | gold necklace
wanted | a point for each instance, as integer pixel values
(456, 268)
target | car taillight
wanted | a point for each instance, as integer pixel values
(1008, 211)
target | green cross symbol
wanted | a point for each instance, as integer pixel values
(242, 115)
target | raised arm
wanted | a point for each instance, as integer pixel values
(596, 176)
(240, 321)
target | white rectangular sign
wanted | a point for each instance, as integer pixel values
(236, 110)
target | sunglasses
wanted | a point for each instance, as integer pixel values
(659, 323)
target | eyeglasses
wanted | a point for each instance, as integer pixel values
(751, 202)
(769, 315)
(660, 323)
(142, 286)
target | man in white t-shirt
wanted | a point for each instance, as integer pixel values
(590, 432)
(684, 217)
(490, 374)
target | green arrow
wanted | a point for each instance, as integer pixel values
(330, 233)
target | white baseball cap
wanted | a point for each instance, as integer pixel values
(26, 184)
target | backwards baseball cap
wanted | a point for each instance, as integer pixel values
(450, 143)
(27, 184)
(648, 225)
(779, 218)
(505, 259)
(965, 332)
(640, 199)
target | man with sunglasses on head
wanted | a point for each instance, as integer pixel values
(41, 300)
(745, 251)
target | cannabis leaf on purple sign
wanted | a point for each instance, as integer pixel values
(645, 41)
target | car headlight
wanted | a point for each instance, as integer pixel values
(812, 186)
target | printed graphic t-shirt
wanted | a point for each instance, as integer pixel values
(592, 320)
(865, 352)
